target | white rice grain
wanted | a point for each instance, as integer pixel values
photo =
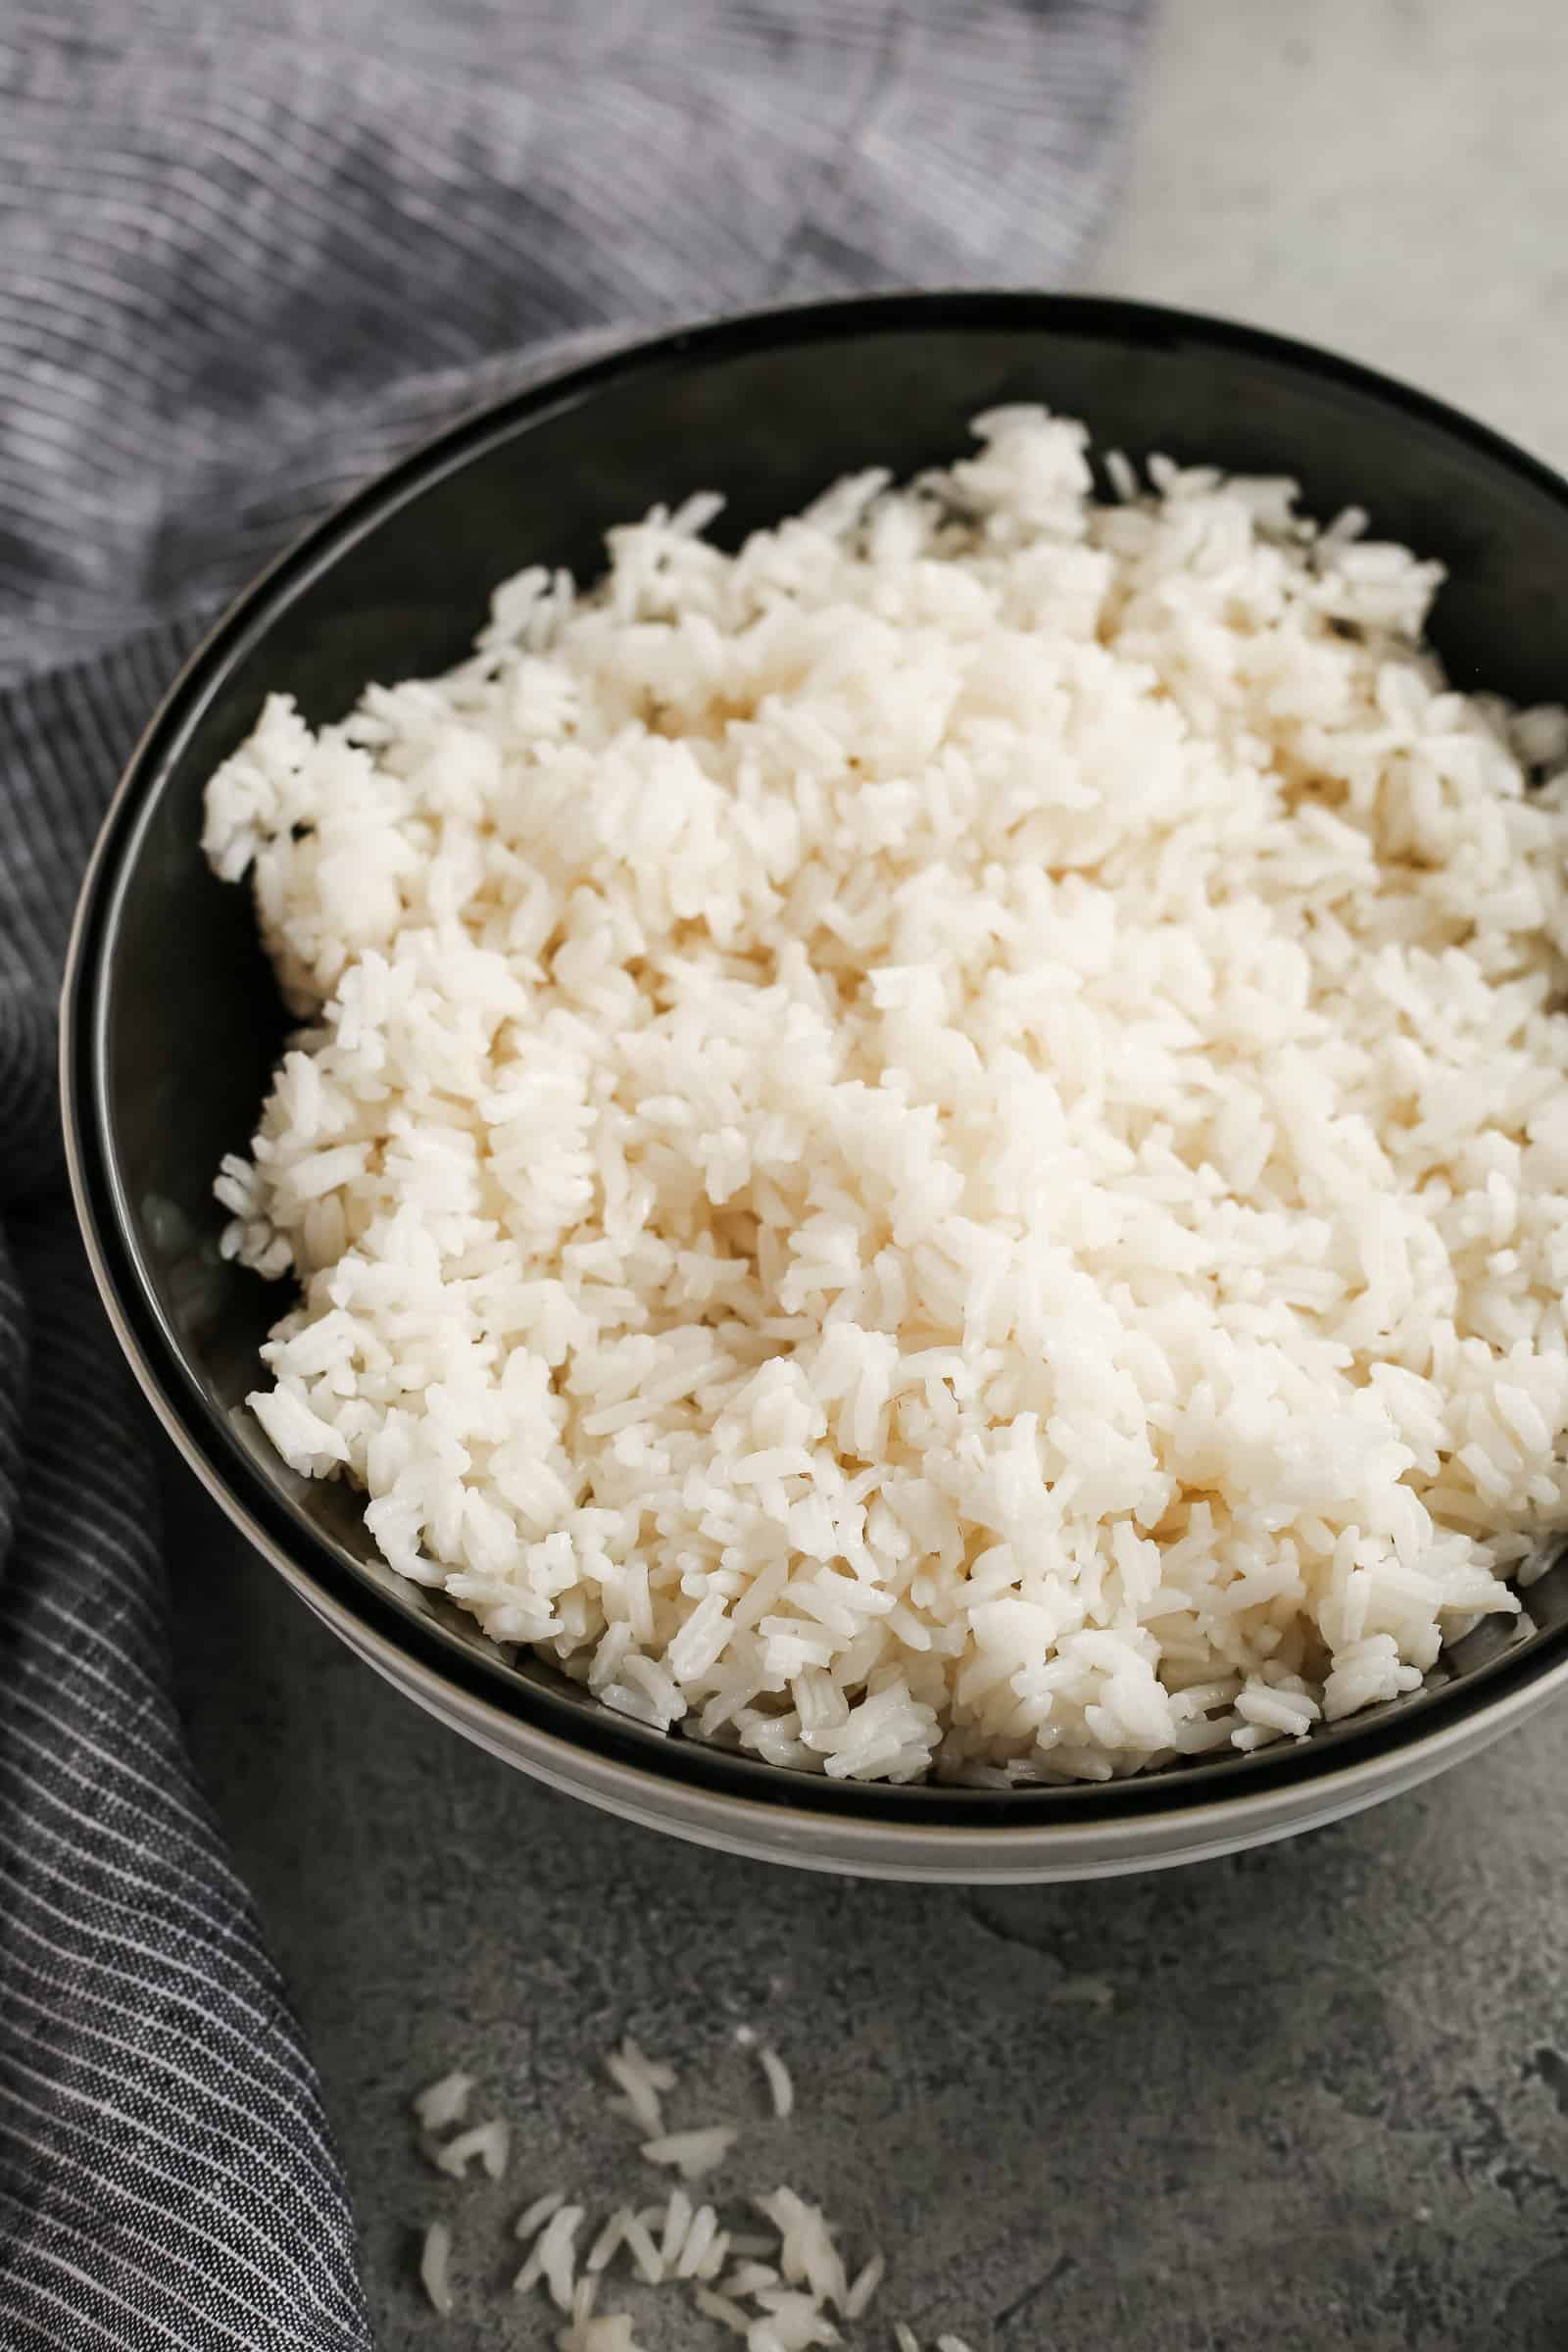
(691, 2153)
(490, 2143)
(748, 2277)
(697, 2243)
(533, 2217)
(795, 2320)
(677, 2220)
(435, 2266)
(639, 2241)
(781, 2089)
(808, 2254)
(723, 2308)
(864, 2286)
(444, 2102)
(606, 2332)
(607, 2242)
(641, 2081)
(553, 2258)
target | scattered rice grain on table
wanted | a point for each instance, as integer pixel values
(780, 2086)
(533, 2217)
(793, 2299)
(488, 2144)
(444, 2102)
(691, 2153)
(937, 1144)
(435, 2266)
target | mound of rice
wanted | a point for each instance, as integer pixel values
(940, 1143)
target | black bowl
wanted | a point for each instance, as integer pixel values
(172, 1023)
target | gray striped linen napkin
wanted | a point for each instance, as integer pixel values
(252, 251)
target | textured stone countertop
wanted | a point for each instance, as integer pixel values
(1322, 2096)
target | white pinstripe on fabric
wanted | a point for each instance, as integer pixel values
(200, 2270)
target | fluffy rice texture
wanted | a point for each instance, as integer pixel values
(938, 1144)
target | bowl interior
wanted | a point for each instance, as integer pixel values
(175, 1022)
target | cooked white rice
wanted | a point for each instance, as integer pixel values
(939, 1143)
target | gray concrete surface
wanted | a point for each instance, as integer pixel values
(1388, 177)
(1326, 2103)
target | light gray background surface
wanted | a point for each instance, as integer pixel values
(1325, 2102)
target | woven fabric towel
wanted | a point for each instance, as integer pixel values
(250, 251)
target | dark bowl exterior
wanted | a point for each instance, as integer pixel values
(171, 1023)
